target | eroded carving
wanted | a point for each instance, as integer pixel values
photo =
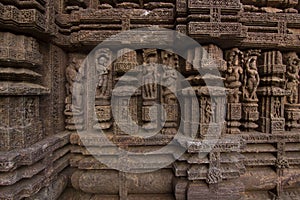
(75, 91)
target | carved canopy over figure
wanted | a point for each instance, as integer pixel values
(233, 74)
(292, 76)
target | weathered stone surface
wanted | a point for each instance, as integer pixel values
(50, 146)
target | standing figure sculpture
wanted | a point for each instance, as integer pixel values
(74, 87)
(149, 74)
(292, 77)
(251, 80)
(102, 74)
(233, 74)
(170, 76)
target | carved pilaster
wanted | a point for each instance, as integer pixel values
(233, 78)
(151, 89)
(272, 92)
(170, 83)
(127, 112)
(21, 124)
(251, 81)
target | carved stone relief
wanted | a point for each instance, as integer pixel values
(249, 107)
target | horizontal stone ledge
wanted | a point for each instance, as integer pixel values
(266, 19)
(216, 29)
(53, 190)
(8, 88)
(18, 58)
(22, 17)
(265, 178)
(29, 187)
(11, 178)
(22, 189)
(92, 138)
(258, 137)
(41, 168)
(11, 160)
(26, 3)
(162, 15)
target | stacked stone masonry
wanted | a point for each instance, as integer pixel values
(255, 45)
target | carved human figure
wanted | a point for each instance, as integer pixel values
(169, 81)
(292, 77)
(209, 112)
(169, 77)
(251, 80)
(29, 111)
(233, 74)
(102, 74)
(277, 107)
(74, 86)
(71, 75)
(149, 73)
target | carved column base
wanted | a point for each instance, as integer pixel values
(250, 115)
(74, 122)
(234, 115)
(104, 117)
(271, 125)
(211, 130)
(292, 116)
(20, 126)
(171, 115)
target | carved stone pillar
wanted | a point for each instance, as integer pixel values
(151, 90)
(251, 81)
(233, 83)
(212, 158)
(103, 81)
(127, 99)
(126, 110)
(170, 84)
(271, 92)
(20, 120)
